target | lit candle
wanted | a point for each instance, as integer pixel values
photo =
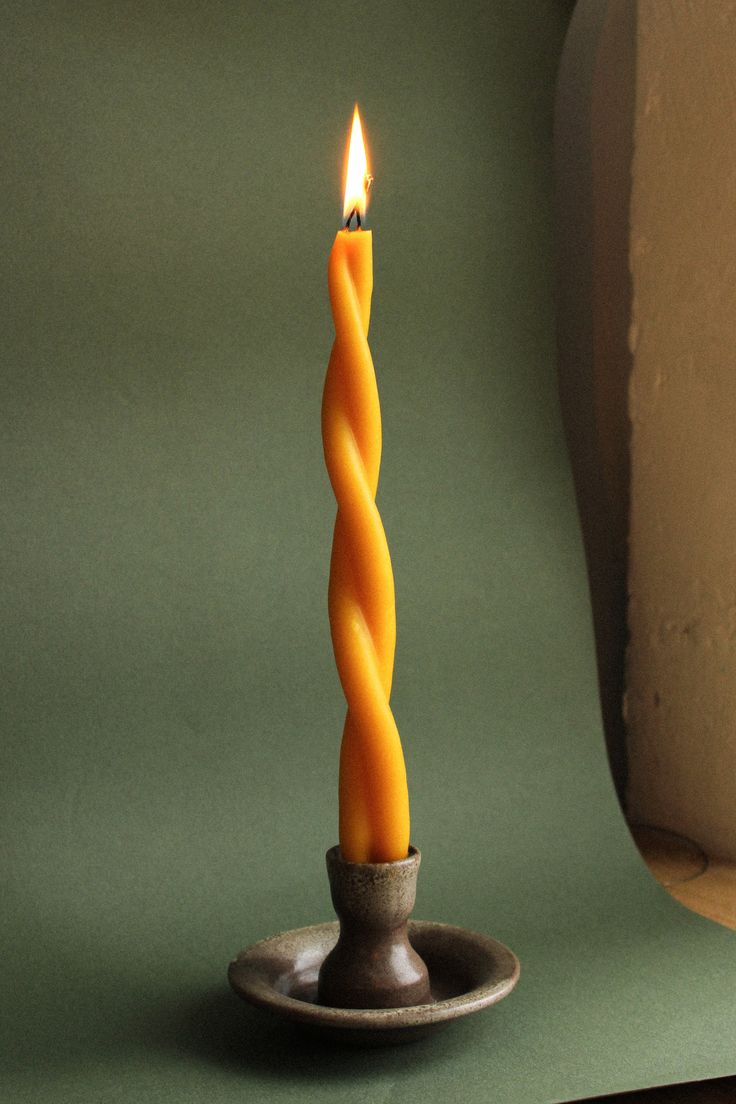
(374, 801)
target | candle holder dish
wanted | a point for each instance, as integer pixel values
(375, 977)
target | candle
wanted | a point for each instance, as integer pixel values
(374, 801)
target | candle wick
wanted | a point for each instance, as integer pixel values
(355, 212)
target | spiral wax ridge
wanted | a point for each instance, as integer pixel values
(374, 807)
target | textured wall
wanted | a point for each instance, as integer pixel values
(681, 702)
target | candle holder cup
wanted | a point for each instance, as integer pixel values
(376, 977)
(373, 964)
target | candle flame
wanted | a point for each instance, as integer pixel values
(357, 177)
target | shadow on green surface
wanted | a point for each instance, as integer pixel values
(218, 1028)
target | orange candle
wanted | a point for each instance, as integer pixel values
(374, 801)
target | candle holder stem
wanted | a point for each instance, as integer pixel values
(373, 964)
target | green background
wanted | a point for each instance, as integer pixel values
(171, 186)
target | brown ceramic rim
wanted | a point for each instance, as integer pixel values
(253, 979)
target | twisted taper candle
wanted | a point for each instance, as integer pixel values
(374, 802)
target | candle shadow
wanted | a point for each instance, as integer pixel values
(220, 1029)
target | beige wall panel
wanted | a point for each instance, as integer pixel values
(681, 698)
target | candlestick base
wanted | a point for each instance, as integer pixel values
(376, 977)
(467, 972)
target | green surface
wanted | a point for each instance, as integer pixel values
(170, 708)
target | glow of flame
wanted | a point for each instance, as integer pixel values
(356, 175)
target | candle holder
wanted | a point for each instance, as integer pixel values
(376, 977)
(373, 964)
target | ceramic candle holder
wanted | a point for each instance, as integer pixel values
(373, 964)
(377, 977)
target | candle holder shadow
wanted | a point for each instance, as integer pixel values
(375, 977)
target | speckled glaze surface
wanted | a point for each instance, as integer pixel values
(467, 972)
(373, 964)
